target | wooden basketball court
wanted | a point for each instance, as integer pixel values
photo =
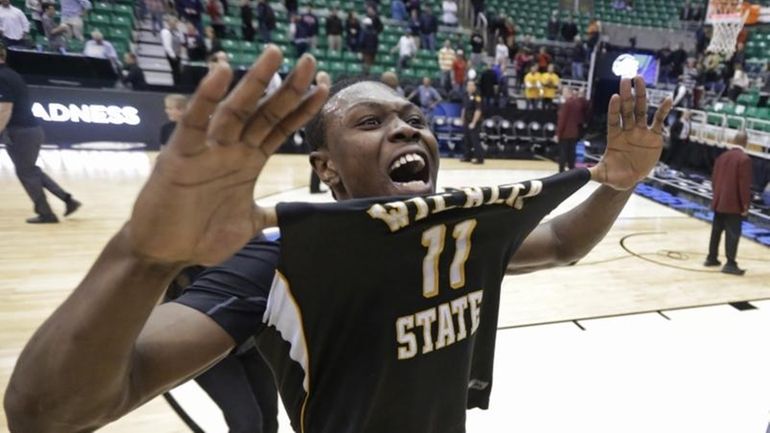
(580, 361)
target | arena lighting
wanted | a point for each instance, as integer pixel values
(87, 113)
(625, 66)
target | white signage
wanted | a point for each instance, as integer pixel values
(87, 113)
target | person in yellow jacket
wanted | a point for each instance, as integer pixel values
(550, 81)
(533, 87)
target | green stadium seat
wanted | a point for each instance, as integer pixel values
(102, 7)
(229, 45)
(248, 47)
(118, 33)
(354, 68)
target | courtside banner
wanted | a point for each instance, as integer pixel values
(99, 118)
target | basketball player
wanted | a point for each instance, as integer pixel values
(109, 349)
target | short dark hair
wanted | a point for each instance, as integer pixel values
(315, 129)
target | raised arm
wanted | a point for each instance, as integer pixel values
(108, 348)
(633, 148)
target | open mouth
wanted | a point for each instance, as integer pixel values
(410, 172)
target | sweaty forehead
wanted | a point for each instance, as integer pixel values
(364, 92)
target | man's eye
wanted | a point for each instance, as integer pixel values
(416, 121)
(369, 121)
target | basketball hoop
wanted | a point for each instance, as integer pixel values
(727, 17)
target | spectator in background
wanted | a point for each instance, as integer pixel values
(502, 54)
(173, 40)
(449, 12)
(479, 9)
(306, 31)
(211, 41)
(406, 50)
(247, 21)
(690, 79)
(371, 13)
(14, 25)
(218, 58)
(35, 8)
(352, 32)
(334, 30)
(488, 83)
(543, 59)
(533, 88)
(99, 48)
(679, 137)
(554, 25)
(175, 106)
(572, 115)
(370, 41)
(472, 114)
(194, 45)
(678, 60)
(731, 184)
(686, 11)
(569, 30)
(398, 11)
(156, 9)
(216, 12)
(54, 32)
(390, 79)
(266, 21)
(414, 26)
(428, 29)
(578, 59)
(72, 12)
(446, 57)
(459, 71)
(739, 83)
(593, 33)
(428, 96)
(665, 60)
(132, 75)
(739, 57)
(508, 32)
(477, 48)
(413, 5)
(192, 12)
(291, 6)
(551, 82)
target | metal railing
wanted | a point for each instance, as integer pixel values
(720, 129)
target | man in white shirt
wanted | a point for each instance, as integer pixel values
(406, 50)
(446, 58)
(449, 17)
(99, 48)
(14, 25)
(171, 38)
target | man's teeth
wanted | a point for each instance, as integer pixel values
(411, 157)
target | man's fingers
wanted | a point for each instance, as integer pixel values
(307, 109)
(275, 108)
(613, 115)
(234, 112)
(190, 135)
(626, 104)
(661, 114)
(640, 107)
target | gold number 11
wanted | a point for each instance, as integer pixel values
(433, 240)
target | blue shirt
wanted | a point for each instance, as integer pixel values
(74, 8)
(428, 96)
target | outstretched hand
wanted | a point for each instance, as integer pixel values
(633, 147)
(198, 205)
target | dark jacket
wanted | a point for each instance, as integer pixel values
(731, 182)
(333, 25)
(428, 24)
(572, 114)
(133, 76)
(369, 41)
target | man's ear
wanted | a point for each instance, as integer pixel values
(324, 167)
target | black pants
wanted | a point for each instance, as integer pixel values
(244, 388)
(472, 144)
(567, 154)
(315, 182)
(23, 148)
(176, 72)
(730, 223)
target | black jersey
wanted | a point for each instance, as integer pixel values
(13, 89)
(382, 315)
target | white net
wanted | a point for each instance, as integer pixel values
(727, 18)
